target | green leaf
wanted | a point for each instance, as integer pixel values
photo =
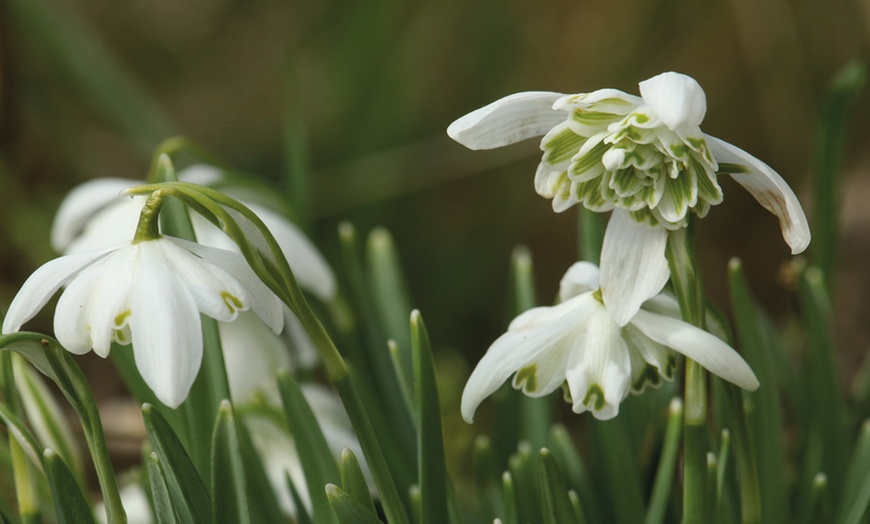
(389, 290)
(556, 504)
(509, 495)
(264, 504)
(228, 484)
(70, 504)
(20, 432)
(189, 495)
(353, 482)
(664, 478)
(563, 448)
(348, 509)
(162, 500)
(855, 499)
(618, 462)
(523, 466)
(314, 453)
(302, 516)
(430, 438)
(765, 421)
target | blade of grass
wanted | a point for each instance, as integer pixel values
(346, 508)
(229, 489)
(556, 505)
(160, 497)
(664, 478)
(70, 504)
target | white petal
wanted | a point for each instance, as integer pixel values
(305, 354)
(252, 355)
(42, 285)
(201, 174)
(526, 341)
(633, 265)
(606, 100)
(109, 306)
(508, 120)
(581, 277)
(702, 347)
(308, 265)
(265, 303)
(769, 189)
(80, 204)
(71, 315)
(114, 224)
(166, 329)
(677, 99)
(600, 365)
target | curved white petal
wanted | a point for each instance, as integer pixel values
(599, 371)
(508, 120)
(80, 204)
(305, 354)
(580, 278)
(633, 265)
(114, 224)
(166, 329)
(676, 99)
(607, 100)
(252, 355)
(42, 285)
(531, 339)
(71, 315)
(308, 265)
(265, 303)
(769, 189)
(702, 347)
(201, 174)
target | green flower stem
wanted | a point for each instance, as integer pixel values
(687, 286)
(148, 227)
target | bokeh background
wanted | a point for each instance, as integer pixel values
(359, 94)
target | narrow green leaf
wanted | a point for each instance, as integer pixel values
(22, 435)
(664, 478)
(314, 453)
(722, 460)
(820, 500)
(563, 448)
(347, 509)
(297, 169)
(353, 482)
(430, 438)
(229, 488)
(511, 513)
(189, 495)
(264, 504)
(579, 517)
(389, 290)
(70, 504)
(855, 498)
(556, 507)
(591, 235)
(765, 422)
(161, 499)
(618, 462)
(523, 466)
(302, 516)
(831, 128)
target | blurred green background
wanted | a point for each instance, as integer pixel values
(359, 94)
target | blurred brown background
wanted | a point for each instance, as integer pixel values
(361, 93)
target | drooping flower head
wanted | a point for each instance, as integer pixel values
(578, 343)
(645, 158)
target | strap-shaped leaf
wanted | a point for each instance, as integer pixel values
(228, 483)
(347, 509)
(556, 505)
(162, 500)
(70, 504)
(354, 482)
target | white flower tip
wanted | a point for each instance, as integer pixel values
(508, 120)
(677, 99)
(613, 158)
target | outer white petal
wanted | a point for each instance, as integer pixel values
(43, 284)
(265, 303)
(702, 347)
(633, 265)
(524, 342)
(72, 313)
(308, 265)
(580, 278)
(114, 224)
(508, 120)
(166, 329)
(769, 189)
(80, 204)
(252, 354)
(677, 99)
(202, 174)
(305, 354)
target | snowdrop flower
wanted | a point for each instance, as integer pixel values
(93, 216)
(644, 157)
(579, 343)
(148, 292)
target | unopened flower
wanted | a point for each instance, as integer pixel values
(644, 157)
(579, 343)
(150, 293)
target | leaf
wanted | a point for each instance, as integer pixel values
(228, 483)
(353, 482)
(70, 504)
(162, 500)
(555, 503)
(347, 509)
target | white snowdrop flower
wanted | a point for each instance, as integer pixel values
(148, 293)
(579, 343)
(644, 157)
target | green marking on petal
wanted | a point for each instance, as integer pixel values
(640, 118)
(527, 378)
(232, 302)
(644, 216)
(593, 118)
(648, 377)
(733, 168)
(121, 318)
(562, 146)
(679, 151)
(698, 144)
(597, 296)
(594, 398)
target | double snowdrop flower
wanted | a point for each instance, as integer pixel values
(578, 342)
(645, 158)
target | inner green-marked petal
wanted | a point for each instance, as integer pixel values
(527, 378)
(562, 146)
(594, 398)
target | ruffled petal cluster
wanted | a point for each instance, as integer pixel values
(579, 344)
(150, 294)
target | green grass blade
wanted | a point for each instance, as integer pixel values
(855, 499)
(190, 497)
(618, 467)
(229, 490)
(389, 290)
(347, 509)
(664, 478)
(511, 511)
(263, 504)
(160, 497)
(314, 453)
(70, 504)
(556, 505)
(430, 438)
(353, 482)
